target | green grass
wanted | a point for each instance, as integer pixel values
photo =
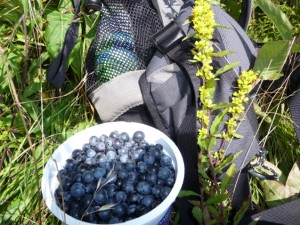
(36, 118)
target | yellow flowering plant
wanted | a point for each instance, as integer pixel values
(214, 205)
(211, 162)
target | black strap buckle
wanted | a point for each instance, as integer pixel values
(262, 153)
(168, 37)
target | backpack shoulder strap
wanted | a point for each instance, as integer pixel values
(56, 72)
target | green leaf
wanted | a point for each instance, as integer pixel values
(217, 199)
(239, 136)
(228, 160)
(279, 19)
(271, 59)
(201, 171)
(228, 176)
(293, 179)
(222, 105)
(198, 215)
(58, 23)
(187, 21)
(212, 142)
(240, 213)
(223, 53)
(226, 68)
(187, 193)
(75, 58)
(296, 48)
(215, 125)
(261, 113)
(189, 36)
(210, 86)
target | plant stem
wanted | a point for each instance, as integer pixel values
(19, 108)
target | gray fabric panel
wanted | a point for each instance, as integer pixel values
(117, 96)
(236, 40)
(168, 10)
(171, 93)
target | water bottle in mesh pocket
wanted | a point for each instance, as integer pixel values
(123, 40)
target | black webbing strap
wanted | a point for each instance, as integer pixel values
(169, 42)
(56, 72)
(294, 99)
(245, 15)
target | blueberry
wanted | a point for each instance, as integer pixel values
(143, 188)
(149, 158)
(137, 154)
(124, 158)
(90, 187)
(88, 176)
(90, 161)
(90, 153)
(133, 176)
(119, 210)
(86, 201)
(132, 209)
(108, 165)
(111, 190)
(102, 138)
(77, 190)
(101, 197)
(138, 136)
(133, 199)
(75, 212)
(123, 150)
(93, 141)
(123, 174)
(156, 152)
(111, 155)
(99, 172)
(143, 144)
(151, 178)
(86, 147)
(66, 183)
(114, 220)
(153, 169)
(128, 187)
(100, 158)
(124, 136)
(170, 181)
(141, 167)
(147, 201)
(109, 142)
(156, 190)
(119, 165)
(100, 147)
(117, 143)
(76, 153)
(67, 196)
(114, 134)
(164, 173)
(165, 160)
(165, 191)
(104, 215)
(142, 176)
(121, 196)
(78, 177)
(119, 182)
(130, 166)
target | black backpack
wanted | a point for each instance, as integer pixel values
(138, 69)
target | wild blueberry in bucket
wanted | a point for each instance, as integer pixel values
(114, 178)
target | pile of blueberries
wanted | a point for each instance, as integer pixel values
(114, 178)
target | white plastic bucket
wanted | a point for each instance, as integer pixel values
(64, 151)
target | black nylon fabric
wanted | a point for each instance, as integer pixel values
(56, 72)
